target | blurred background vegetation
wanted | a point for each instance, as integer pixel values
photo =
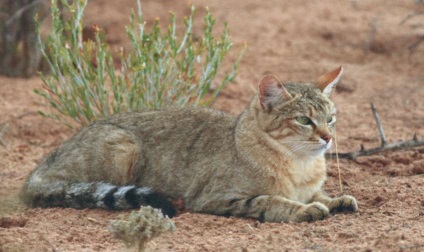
(84, 79)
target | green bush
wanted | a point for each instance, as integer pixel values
(163, 69)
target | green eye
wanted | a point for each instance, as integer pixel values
(304, 120)
(331, 119)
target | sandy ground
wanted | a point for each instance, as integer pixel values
(296, 40)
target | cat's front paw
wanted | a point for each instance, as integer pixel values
(345, 203)
(312, 212)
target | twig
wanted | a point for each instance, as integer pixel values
(380, 127)
(420, 38)
(2, 131)
(388, 147)
(371, 36)
(93, 220)
(415, 45)
(410, 16)
(414, 142)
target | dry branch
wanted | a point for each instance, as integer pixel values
(415, 45)
(371, 36)
(420, 38)
(380, 127)
(384, 146)
(3, 129)
(402, 145)
(410, 16)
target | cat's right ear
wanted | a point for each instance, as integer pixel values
(272, 92)
(328, 81)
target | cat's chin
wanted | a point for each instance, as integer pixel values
(314, 153)
(317, 151)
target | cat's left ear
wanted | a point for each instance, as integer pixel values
(328, 81)
(272, 92)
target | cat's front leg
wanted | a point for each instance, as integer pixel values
(345, 203)
(272, 208)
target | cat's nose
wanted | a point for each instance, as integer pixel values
(326, 138)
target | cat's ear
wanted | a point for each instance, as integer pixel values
(272, 92)
(328, 81)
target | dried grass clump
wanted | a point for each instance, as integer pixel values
(141, 227)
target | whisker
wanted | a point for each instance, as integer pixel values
(299, 141)
(294, 149)
(303, 143)
(288, 153)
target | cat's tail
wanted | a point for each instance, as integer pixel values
(94, 195)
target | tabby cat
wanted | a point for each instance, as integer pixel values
(267, 163)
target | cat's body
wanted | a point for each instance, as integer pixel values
(249, 166)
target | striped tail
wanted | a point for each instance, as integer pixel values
(95, 195)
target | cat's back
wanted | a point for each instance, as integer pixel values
(149, 140)
(173, 123)
(172, 118)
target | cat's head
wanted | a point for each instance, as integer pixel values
(300, 116)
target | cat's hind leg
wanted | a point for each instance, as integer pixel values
(98, 168)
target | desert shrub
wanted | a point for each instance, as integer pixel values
(163, 69)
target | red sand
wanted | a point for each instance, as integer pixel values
(296, 40)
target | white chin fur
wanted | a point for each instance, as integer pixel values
(315, 150)
(319, 152)
(329, 144)
(324, 146)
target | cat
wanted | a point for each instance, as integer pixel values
(267, 163)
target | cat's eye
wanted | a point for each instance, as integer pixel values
(331, 119)
(304, 120)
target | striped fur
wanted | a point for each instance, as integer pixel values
(263, 164)
(96, 195)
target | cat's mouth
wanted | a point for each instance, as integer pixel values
(322, 147)
(310, 148)
(315, 149)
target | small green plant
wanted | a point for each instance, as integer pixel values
(163, 69)
(141, 227)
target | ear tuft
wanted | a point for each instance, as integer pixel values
(328, 81)
(272, 92)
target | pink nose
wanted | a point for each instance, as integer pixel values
(326, 138)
